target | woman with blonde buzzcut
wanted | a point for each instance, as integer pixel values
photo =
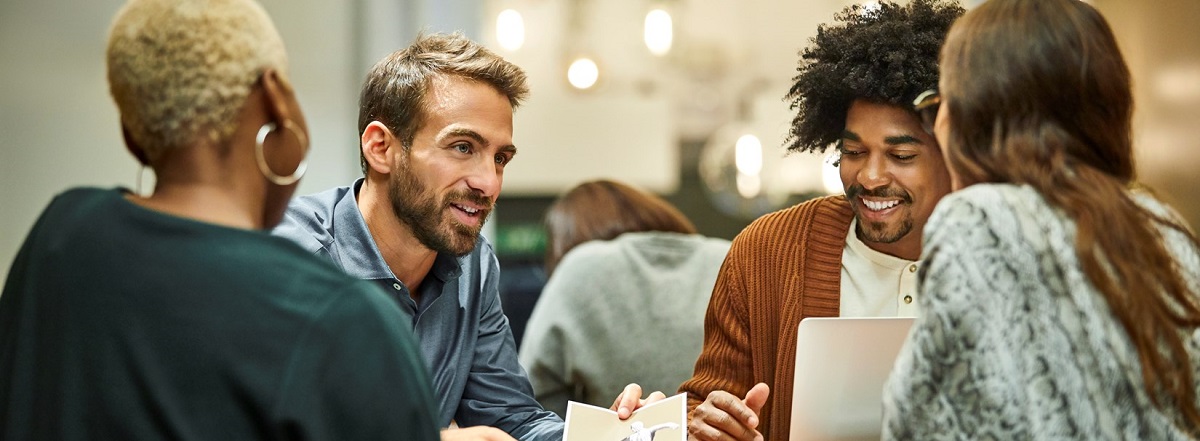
(174, 315)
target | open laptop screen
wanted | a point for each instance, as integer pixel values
(841, 367)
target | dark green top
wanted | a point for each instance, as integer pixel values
(119, 322)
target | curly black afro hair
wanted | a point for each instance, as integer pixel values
(885, 54)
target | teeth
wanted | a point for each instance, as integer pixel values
(469, 210)
(876, 206)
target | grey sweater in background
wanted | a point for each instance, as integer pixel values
(627, 310)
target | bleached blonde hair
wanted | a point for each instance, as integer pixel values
(180, 70)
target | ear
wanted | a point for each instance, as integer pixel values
(276, 91)
(377, 144)
(133, 147)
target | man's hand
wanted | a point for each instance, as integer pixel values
(477, 433)
(724, 416)
(630, 400)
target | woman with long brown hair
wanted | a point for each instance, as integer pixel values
(1060, 297)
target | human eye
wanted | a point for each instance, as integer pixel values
(904, 156)
(503, 159)
(462, 147)
(849, 151)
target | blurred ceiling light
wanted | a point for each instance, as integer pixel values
(658, 33)
(510, 29)
(748, 155)
(1178, 83)
(831, 177)
(583, 73)
(749, 186)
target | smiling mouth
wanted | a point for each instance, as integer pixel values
(470, 211)
(879, 205)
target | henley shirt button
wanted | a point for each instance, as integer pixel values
(396, 285)
(912, 268)
(907, 299)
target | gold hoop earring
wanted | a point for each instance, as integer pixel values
(261, 158)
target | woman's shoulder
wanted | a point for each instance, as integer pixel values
(980, 205)
(990, 197)
(992, 205)
(1004, 218)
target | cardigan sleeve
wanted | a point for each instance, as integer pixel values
(725, 361)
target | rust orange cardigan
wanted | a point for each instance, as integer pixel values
(782, 268)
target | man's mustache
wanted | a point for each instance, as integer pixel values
(472, 197)
(857, 190)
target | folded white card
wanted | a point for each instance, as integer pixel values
(663, 420)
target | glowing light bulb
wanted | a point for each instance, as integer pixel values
(748, 157)
(583, 73)
(510, 29)
(749, 186)
(658, 32)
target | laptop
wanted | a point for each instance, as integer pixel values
(841, 366)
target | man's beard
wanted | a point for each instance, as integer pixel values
(420, 208)
(881, 232)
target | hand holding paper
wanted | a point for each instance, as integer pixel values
(630, 400)
(656, 419)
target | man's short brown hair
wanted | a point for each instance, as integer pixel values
(394, 92)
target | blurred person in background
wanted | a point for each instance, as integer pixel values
(174, 315)
(629, 283)
(1060, 300)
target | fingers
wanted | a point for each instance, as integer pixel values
(630, 400)
(627, 401)
(723, 416)
(654, 396)
(756, 397)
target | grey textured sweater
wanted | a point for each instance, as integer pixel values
(627, 310)
(1014, 341)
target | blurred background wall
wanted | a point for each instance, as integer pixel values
(675, 124)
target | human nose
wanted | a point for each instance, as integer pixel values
(486, 178)
(874, 174)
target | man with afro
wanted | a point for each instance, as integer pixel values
(848, 255)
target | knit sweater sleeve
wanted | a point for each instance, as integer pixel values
(783, 267)
(725, 362)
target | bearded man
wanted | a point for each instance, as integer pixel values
(435, 121)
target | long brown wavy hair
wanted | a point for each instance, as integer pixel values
(602, 210)
(1039, 94)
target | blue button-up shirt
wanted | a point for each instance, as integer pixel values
(464, 335)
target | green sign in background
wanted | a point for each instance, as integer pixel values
(521, 240)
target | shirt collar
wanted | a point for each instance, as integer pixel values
(882, 259)
(360, 256)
